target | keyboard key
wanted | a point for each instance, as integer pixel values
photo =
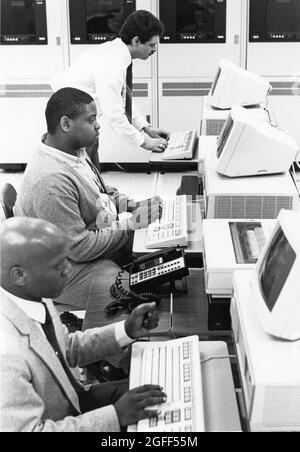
(186, 350)
(168, 417)
(162, 367)
(176, 416)
(188, 413)
(176, 367)
(187, 394)
(153, 422)
(165, 232)
(186, 372)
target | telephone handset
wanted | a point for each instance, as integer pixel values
(146, 273)
(158, 268)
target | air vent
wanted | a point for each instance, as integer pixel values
(35, 90)
(188, 89)
(251, 206)
(140, 90)
(282, 407)
(214, 126)
(283, 88)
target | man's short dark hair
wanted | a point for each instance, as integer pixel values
(142, 24)
(68, 102)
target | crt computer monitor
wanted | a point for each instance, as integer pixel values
(236, 86)
(275, 288)
(248, 146)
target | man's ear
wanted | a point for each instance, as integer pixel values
(18, 276)
(135, 41)
(65, 123)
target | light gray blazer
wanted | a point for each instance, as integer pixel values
(35, 393)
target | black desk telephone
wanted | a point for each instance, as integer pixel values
(147, 273)
(158, 268)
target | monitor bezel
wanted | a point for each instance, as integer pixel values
(278, 321)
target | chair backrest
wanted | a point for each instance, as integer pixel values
(8, 196)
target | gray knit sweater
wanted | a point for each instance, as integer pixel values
(52, 190)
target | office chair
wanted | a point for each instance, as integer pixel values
(8, 196)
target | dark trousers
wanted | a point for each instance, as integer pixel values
(102, 394)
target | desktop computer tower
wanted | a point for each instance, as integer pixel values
(230, 245)
(269, 367)
(257, 197)
(213, 120)
(219, 314)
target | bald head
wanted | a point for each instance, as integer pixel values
(29, 247)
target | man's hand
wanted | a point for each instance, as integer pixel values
(157, 133)
(148, 212)
(141, 320)
(154, 144)
(132, 406)
(133, 205)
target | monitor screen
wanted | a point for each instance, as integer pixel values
(92, 21)
(224, 135)
(193, 20)
(274, 20)
(275, 268)
(23, 22)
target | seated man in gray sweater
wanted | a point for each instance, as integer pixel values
(62, 185)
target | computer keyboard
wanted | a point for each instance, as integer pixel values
(175, 366)
(172, 228)
(181, 145)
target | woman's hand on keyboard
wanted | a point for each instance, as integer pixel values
(141, 320)
(132, 406)
(148, 212)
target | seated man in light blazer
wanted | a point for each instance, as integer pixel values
(38, 388)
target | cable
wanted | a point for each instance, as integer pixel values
(273, 124)
(127, 299)
(297, 161)
(218, 357)
(121, 168)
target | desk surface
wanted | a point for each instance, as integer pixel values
(138, 186)
(190, 316)
(190, 312)
(220, 405)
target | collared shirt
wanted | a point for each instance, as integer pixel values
(80, 164)
(102, 73)
(36, 311)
